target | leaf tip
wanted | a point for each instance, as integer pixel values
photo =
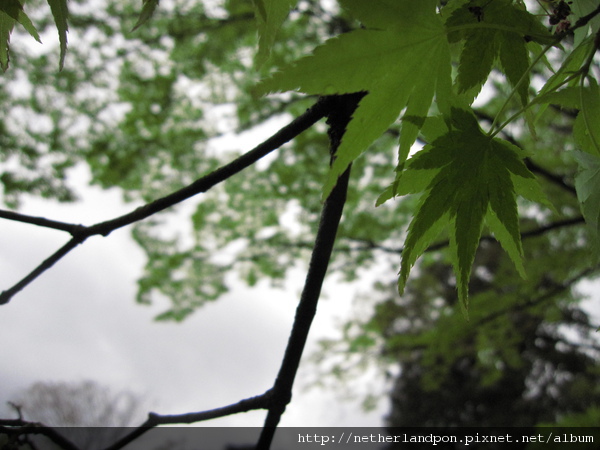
(148, 9)
(463, 297)
(386, 195)
(401, 283)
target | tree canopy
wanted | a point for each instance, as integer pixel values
(471, 127)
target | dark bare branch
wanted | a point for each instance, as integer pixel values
(41, 222)
(6, 295)
(81, 233)
(249, 404)
(307, 307)
(20, 427)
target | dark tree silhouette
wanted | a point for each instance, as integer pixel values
(91, 416)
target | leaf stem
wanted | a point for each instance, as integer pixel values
(493, 133)
(582, 71)
(41, 222)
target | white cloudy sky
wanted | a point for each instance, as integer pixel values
(80, 321)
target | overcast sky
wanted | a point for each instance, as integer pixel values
(80, 321)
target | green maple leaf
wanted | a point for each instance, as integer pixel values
(470, 183)
(148, 8)
(587, 184)
(270, 14)
(587, 137)
(495, 31)
(7, 24)
(14, 9)
(402, 60)
(60, 13)
(572, 63)
(586, 125)
(587, 100)
(11, 11)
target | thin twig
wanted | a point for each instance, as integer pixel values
(582, 21)
(524, 235)
(286, 134)
(6, 295)
(41, 222)
(548, 295)
(369, 245)
(81, 233)
(22, 427)
(249, 404)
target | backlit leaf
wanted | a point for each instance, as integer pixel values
(473, 186)
(60, 13)
(587, 184)
(564, 75)
(270, 14)
(14, 9)
(11, 12)
(7, 24)
(586, 128)
(399, 66)
(148, 9)
(586, 99)
(497, 30)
